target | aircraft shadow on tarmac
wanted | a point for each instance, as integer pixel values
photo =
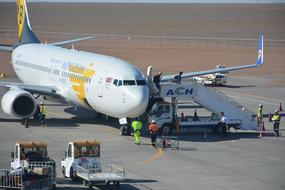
(210, 137)
(126, 185)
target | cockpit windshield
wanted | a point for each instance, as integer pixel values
(141, 82)
(118, 82)
(129, 82)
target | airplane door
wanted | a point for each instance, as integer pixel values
(101, 80)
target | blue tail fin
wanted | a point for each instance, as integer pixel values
(259, 60)
(25, 32)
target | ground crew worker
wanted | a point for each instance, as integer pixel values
(156, 80)
(153, 129)
(177, 79)
(42, 114)
(276, 122)
(260, 116)
(223, 122)
(137, 125)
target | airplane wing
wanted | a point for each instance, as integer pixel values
(258, 63)
(38, 89)
(8, 48)
(67, 42)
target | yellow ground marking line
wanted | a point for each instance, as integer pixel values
(111, 131)
(158, 153)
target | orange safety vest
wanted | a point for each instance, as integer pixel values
(153, 128)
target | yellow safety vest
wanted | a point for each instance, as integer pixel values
(42, 109)
(259, 113)
(137, 125)
(276, 118)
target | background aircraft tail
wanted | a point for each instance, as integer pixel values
(259, 60)
(25, 32)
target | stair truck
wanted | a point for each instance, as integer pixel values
(31, 168)
(172, 97)
(82, 161)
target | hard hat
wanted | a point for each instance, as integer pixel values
(42, 102)
(276, 111)
(260, 105)
(153, 121)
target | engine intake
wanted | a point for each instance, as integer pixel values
(18, 103)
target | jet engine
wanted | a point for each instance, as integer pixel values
(18, 103)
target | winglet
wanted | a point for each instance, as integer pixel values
(259, 60)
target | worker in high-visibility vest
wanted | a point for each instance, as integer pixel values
(260, 116)
(42, 114)
(137, 125)
(153, 130)
(276, 122)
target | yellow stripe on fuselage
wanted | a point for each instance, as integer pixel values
(79, 85)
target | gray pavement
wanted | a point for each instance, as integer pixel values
(241, 161)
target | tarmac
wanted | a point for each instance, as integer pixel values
(240, 161)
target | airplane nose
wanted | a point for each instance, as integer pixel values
(138, 101)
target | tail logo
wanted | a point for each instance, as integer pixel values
(21, 16)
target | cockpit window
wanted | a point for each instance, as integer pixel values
(115, 82)
(141, 82)
(129, 82)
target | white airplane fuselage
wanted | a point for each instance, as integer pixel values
(103, 83)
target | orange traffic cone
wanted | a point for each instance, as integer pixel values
(270, 117)
(205, 135)
(280, 107)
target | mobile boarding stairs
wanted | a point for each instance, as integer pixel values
(211, 99)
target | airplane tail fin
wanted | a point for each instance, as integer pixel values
(25, 32)
(259, 60)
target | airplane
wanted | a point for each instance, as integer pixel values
(105, 84)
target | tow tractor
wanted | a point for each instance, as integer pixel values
(82, 161)
(31, 168)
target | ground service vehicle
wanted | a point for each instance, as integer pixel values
(31, 168)
(82, 161)
(166, 116)
(219, 78)
(165, 111)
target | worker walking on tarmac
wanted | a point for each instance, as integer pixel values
(153, 129)
(260, 117)
(137, 125)
(43, 114)
(276, 122)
